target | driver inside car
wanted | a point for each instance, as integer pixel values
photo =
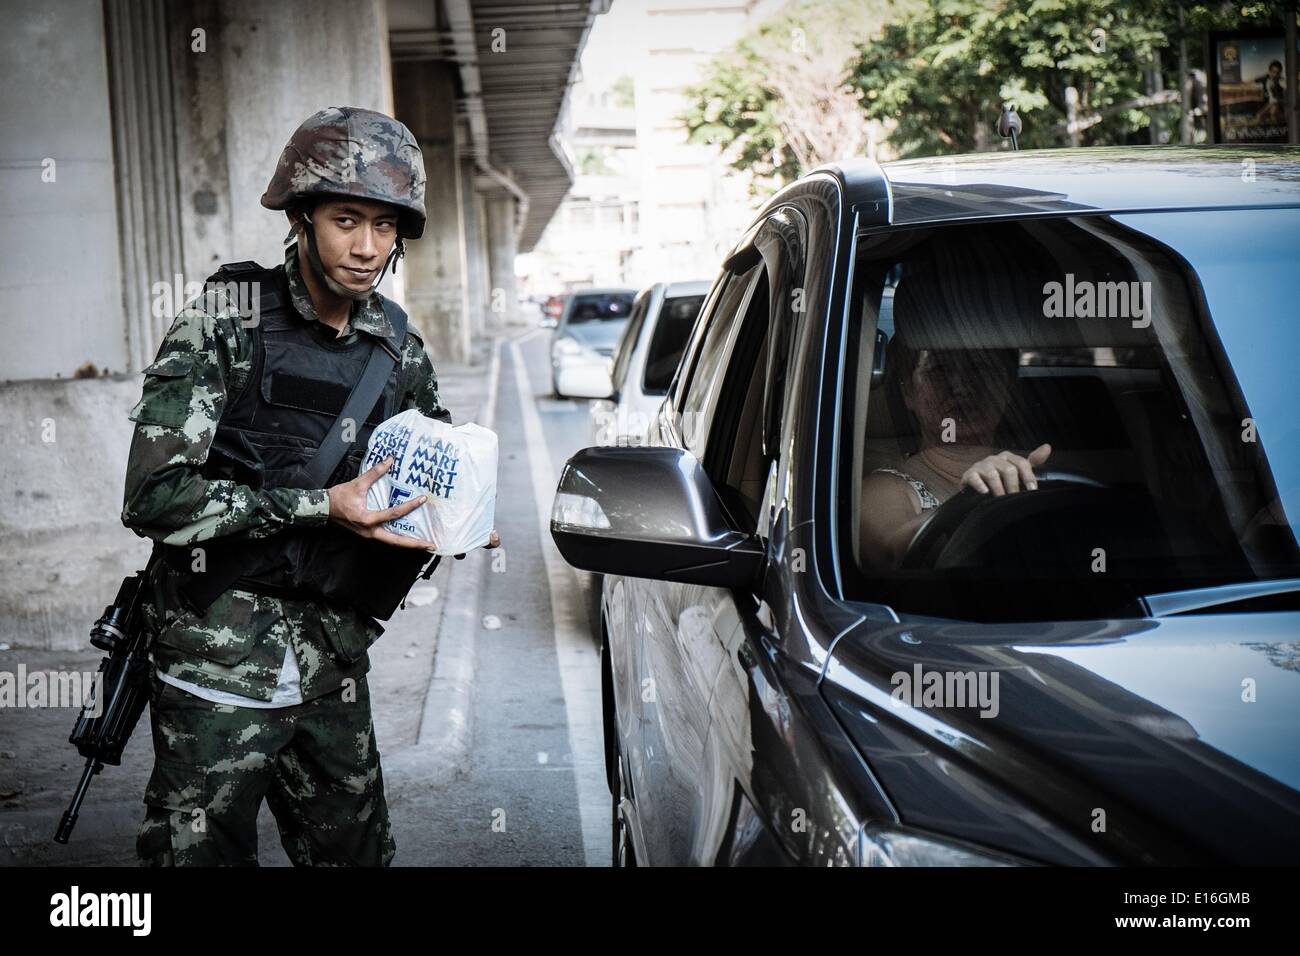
(956, 399)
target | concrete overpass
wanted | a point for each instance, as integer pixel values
(136, 137)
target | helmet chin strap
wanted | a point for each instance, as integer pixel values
(313, 256)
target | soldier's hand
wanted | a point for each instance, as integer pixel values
(348, 508)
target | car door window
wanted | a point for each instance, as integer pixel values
(677, 386)
(735, 456)
(672, 327)
(627, 344)
(701, 385)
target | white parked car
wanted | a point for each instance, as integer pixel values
(644, 363)
(582, 345)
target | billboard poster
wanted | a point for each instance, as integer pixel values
(1250, 87)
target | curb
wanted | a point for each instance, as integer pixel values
(446, 720)
(442, 744)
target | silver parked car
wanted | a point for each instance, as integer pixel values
(645, 361)
(582, 345)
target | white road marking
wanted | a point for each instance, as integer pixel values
(579, 660)
(494, 377)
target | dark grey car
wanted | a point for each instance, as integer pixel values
(823, 643)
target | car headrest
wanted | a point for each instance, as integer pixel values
(1021, 285)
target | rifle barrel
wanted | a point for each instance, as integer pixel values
(69, 820)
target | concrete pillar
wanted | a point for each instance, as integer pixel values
(60, 277)
(101, 229)
(475, 253)
(144, 141)
(247, 73)
(492, 319)
(501, 259)
(437, 296)
(485, 262)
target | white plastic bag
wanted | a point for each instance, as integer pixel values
(457, 465)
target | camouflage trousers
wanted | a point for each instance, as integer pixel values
(316, 763)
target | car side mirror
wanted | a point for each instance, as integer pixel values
(649, 513)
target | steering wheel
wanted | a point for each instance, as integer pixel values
(937, 530)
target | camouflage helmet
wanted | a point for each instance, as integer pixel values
(348, 151)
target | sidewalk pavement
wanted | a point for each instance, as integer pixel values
(421, 716)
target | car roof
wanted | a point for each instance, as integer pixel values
(1092, 179)
(692, 287)
(603, 290)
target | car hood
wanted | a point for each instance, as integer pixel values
(597, 334)
(1189, 722)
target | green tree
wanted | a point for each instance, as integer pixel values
(592, 161)
(623, 92)
(1079, 72)
(780, 103)
(943, 76)
(934, 75)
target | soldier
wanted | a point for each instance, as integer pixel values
(259, 690)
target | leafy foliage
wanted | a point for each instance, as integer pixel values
(935, 73)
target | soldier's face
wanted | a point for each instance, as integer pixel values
(354, 238)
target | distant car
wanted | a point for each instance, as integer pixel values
(582, 345)
(645, 360)
(823, 642)
(552, 307)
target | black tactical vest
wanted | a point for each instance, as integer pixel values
(270, 429)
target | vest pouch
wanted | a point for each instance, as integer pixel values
(232, 457)
(343, 567)
(226, 642)
(283, 459)
(348, 633)
(370, 575)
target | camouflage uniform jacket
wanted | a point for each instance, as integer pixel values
(239, 644)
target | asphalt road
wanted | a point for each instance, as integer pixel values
(532, 789)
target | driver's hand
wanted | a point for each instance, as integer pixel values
(1006, 472)
(348, 508)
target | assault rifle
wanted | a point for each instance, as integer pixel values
(109, 717)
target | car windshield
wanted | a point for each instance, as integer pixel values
(600, 307)
(1057, 418)
(676, 319)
